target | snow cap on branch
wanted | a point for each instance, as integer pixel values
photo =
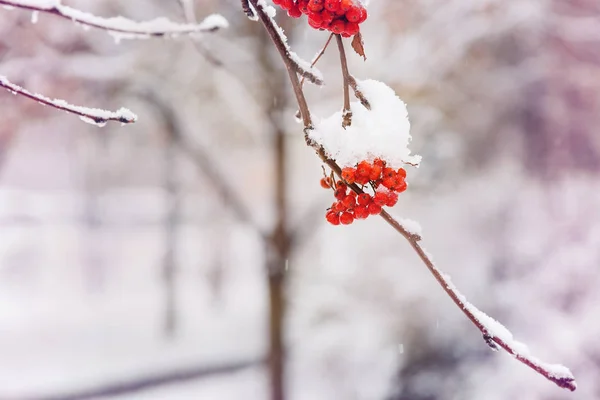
(382, 132)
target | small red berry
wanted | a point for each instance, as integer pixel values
(337, 26)
(325, 183)
(389, 182)
(315, 20)
(346, 218)
(340, 193)
(332, 5)
(388, 173)
(332, 218)
(295, 12)
(375, 170)
(348, 174)
(401, 172)
(363, 15)
(315, 5)
(349, 202)
(392, 199)
(352, 28)
(328, 16)
(363, 169)
(353, 14)
(363, 199)
(287, 4)
(361, 212)
(346, 5)
(303, 6)
(374, 209)
(338, 207)
(401, 187)
(380, 198)
(379, 162)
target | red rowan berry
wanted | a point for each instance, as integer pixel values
(338, 207)
(315, 5)
(341, 185)
(392, 199)
(388, 173)
(380, 198)
(374, 209)
(363, 199)
(401, 187)
(328, 16)
(337, 26)
(361, 212)
(353, 14)
(332, 5)
(332, 218)
(340, 193)
(315, 20)
(295, 12)
(401, 172)
(362, 180)
(348, 174)
(346, 5)
(352, 28)
(325, 183)
(346, 218)
(349, 202)
(379, 162)
(287, 4)
(375, 170)
(363, 15)
(363, 169)
(388, 182)
(303, 6)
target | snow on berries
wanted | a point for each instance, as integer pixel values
(383, 132)
(384, 182)
(342, 17)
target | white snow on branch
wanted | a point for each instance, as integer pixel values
(382, 132)
(301, 66)
(94, 116)
(122, 27)
(411, 226)
(496, 334)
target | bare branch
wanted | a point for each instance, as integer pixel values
(294, 63)
(94, 116)
(127, 387)
(123, 28)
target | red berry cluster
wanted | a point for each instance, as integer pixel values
(386, 183)
(341, 17)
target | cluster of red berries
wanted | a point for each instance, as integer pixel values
(341, 17)
(385, 182)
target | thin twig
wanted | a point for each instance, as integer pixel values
(347, 112)
(563, 379)
(93, 115)
(358, 93)
(127, 28)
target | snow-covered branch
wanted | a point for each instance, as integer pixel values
(297, 64)
(94, 116)
(493, 332)
(120, 27)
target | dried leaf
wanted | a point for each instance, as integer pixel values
(359, 46)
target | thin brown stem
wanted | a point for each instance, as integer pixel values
(318, 57)
(347, 113)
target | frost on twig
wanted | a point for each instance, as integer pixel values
(93, 116)
(120, 27)
(302, 67)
